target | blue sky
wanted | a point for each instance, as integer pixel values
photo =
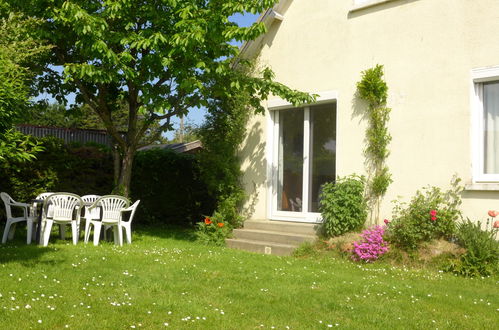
(196, 116)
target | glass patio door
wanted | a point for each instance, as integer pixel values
(304, 159)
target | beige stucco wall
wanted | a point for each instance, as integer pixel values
(428, 49)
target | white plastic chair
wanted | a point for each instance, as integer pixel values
(10, 226)
(34, 209)
(127, 225)
(111, 206)
(66, 211)
(90, 214)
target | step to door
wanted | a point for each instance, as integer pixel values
(272, 236)
(261, 246)
(283, 226)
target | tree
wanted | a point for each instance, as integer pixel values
(162, 57)
(18, 48)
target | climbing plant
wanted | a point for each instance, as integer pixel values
(373, 89)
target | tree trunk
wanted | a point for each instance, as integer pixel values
(126, 171)
(116, 165)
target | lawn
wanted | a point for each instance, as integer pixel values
(166, 279)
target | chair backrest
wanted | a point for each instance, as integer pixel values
(63, 205)
(94, 213)
(133, 208)
(44, 195)
(90, 198)
(111, 207)
(7, 200)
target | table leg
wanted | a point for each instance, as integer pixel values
(38, 229)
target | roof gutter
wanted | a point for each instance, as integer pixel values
(266, 18)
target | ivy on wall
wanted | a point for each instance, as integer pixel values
(373, 89)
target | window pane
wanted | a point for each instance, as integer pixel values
(491, 127)
(322, 150)
(290, 171)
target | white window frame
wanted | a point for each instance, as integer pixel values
(273, 161)
(478, 77)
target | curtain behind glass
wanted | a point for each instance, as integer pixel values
(491, 127)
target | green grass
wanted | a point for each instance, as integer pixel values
(166, 277)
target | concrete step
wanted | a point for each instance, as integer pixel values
(283, 226)
(272, 236)
(261, 246)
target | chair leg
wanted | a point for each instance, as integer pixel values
(6, 231)
(46, 231)
(62, 231)
(29, 231)
(87, 231)
(12, 230)
(120, 235)
(74, 231)
(97, 227)
(115, 235)
(128, 233)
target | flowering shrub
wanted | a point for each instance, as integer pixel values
(213, 230)
(431, 214)
(482, 249)
(372, 246)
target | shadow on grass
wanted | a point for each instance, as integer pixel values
(18, 251)
(166, 231)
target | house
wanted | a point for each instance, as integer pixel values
(441, 62)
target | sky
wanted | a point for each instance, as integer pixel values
(196, 116)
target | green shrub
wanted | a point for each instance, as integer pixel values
(431, 214)
(343, 206)
(213, 230)
(170, 188)
(482, 250)
(78, 169)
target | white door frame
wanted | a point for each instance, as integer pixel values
(273, 134)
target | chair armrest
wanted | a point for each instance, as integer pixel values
(127, 209)
(24, 206)
(20, 204)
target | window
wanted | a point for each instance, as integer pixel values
(486, 124)
(303, 159)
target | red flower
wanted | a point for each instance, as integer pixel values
(496, 224)
(386, 221)
(433, 213)
(207, 221)
(493, 214)
(433, 218)
(220, 224)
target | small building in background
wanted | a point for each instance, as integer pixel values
(192, 147)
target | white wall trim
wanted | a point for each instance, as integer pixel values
(270, 161)
(322, 97)
(482, 187)
(485, 74)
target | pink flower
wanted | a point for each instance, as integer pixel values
(433, 218)
(386, 221)
(433, 213)
(496, 224)
(493, 214)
